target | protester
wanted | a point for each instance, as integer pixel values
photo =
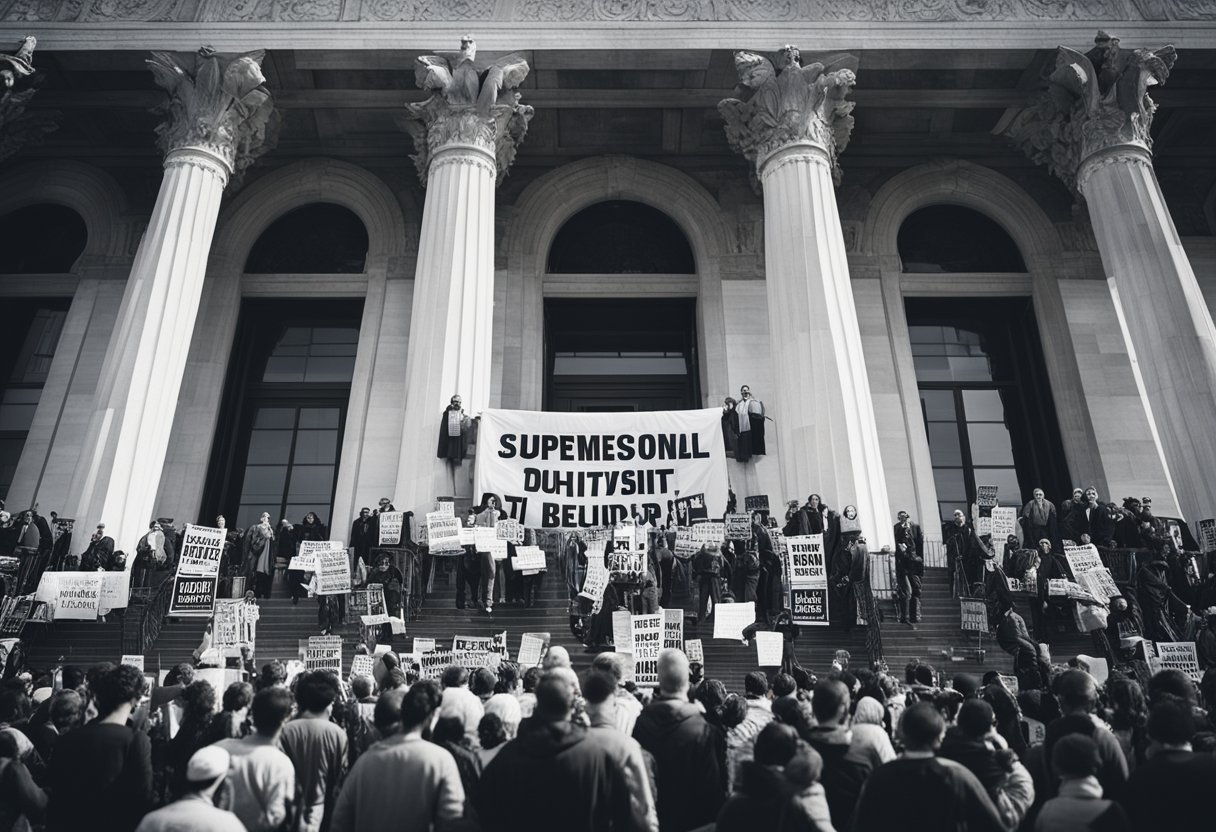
(316, 747)
(199, 708)
(741, 739)
(21, 799)
(1079, 804)
(262, 777)
(869, 732)
(973, 743)
(778, 788)
(846, 766)
(195, 810)
(230, 722)
(689, 753)
(1173, 789)
(460, 702)
(628, 708)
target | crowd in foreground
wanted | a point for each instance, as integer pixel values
(547, 749)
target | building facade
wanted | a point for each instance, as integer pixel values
(250, 250)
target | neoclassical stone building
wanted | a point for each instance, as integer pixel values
(248, 250)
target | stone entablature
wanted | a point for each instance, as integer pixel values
(660, 11)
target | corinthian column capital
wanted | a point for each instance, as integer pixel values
(1094, 102)
(219, 112)
(474, 106)
(789, 104)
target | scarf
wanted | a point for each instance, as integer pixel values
(742, 409)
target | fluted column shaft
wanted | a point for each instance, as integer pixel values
(451, 325)
(824, 414)
(1168, 322)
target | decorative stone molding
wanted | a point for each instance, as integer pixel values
(790, 104)
(1093, 102)
(473, 105)
(19, 128)
(218, 105)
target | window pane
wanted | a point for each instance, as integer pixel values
(264, 483)
(990, 444)
(313, 446)
(33, 363)
(983, 406)
(269, 447)
(1009, 493)
(285, 369)
(319, 417)
(275, 417)
(10, 455)
(330, 370)
(311, 483)
(943, 443)
(17, 408)
(950, 485)
(938, 405)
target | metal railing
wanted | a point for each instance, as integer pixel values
(141, 627)
(873, 624)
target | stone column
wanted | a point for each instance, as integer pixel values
(1091, 128)
(791, 128)
(465, 136)
(216, 123)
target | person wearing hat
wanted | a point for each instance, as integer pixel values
(99, 553)
(205, 771)
(909, 567)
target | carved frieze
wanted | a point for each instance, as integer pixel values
(471, 104)
(787, 103)
(1093, 102)
(217, 103)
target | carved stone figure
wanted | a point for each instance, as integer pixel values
(19, 128)
(218, 104)
(790, 104)
(473, 103)
(1093, 102)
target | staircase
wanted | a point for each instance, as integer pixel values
(81, 643)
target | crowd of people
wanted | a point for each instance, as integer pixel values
(544, 748)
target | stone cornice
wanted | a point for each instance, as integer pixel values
(1093, 103)
(789, 104)
(217, 104)
(472, 105)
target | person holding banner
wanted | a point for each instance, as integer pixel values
(487, 517)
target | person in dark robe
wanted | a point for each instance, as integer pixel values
(664, 561)
(453, 432)
(100, 551)
(285, 546)
(1053, 608)
(854, 583)
(364, 534)
(1039, 518)
(1158, 603)
(963, 546)
(259, 556)
(749, 426)
(768, 588)
(1065, 512)
(909, 568)
(730, 427)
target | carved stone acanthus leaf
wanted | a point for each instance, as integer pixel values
(473, 104)
(790, 104)
(217, 103)
(1093, 102)
(20, 127)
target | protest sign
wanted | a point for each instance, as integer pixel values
(397, 623)
(333, 573)
(572, 470)
(531, 648)
(529, 559)
(193, 597)
(983, 525)
(498, 549)
(133, 660)
(202, 547)
(985, 496)
(226, 623)
(78, 597)
(63, 525)
(1004, 523)
(738, 527)
(444, 507)
(377, 608)
(115, 590)
(472, 644)
(974, 615)
(1207, 536)
(483, 537)
(622, 635)
(690, 510)
(423, 645)
(510, 531)
(1010, 683)
(626, 562)
(646, 636)
(757, 502)
(14, 612)
(323, 653)
(713, 531)
(467, 536)
(442, 533)
(1100, 584)
(390, 523)
(1082, 559)
(626, 539)
(694, 650)
(809, 606)
(1036, 731)
(807, 566)
(1179, 655)
(363, 665)
(673, 629)
(432, 664)
(596, 581)
(685, 548)
(769, 646)
(730, 619)
(308, 559)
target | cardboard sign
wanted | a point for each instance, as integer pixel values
(1082, 559)
(738, 527)
(333, 576)
(193, 597)
(390, 524)
(769, 647)
(1207, 536)
(625, 539)
(685, 547)
(673, 629)
(323, 653)
(498, 549)
(646, 636)
(531, 648)
(472, 644)
(484, 537)
(809, 606)
(530, 558)
(115, 590)
(622, 634)
(1010, 683)
(985, 496)
(1100, 584)
(455, 417)
(443, 533)
(77, 595)
(363, 665)
(807, 565)
(625, 562)
(510, 531)
(708, 532)
(308, 559)
(202, 547)
(983, 526)
(226, 624)
(596, 581)
(377, 608)
(695, 650)
(974, 615)
(690, 509)
(730, 619)
(758, 502)
(1179, 655)
(135, 661)
(1004, 523)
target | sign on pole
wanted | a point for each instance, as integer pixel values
(323, 653)
(974, 615)
(202, 548)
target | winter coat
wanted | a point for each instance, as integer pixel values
(689, 756)
(768, 798)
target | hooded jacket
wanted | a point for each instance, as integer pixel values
(845, 770)
(775, 798)
(689, 756)
(555, 776)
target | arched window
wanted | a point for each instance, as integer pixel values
(314, 239)
(951, 239)
(41, 239)
(621, 237)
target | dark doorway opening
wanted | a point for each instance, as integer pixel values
(620, 355)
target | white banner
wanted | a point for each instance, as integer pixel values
(78, 596)
(568, 470)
